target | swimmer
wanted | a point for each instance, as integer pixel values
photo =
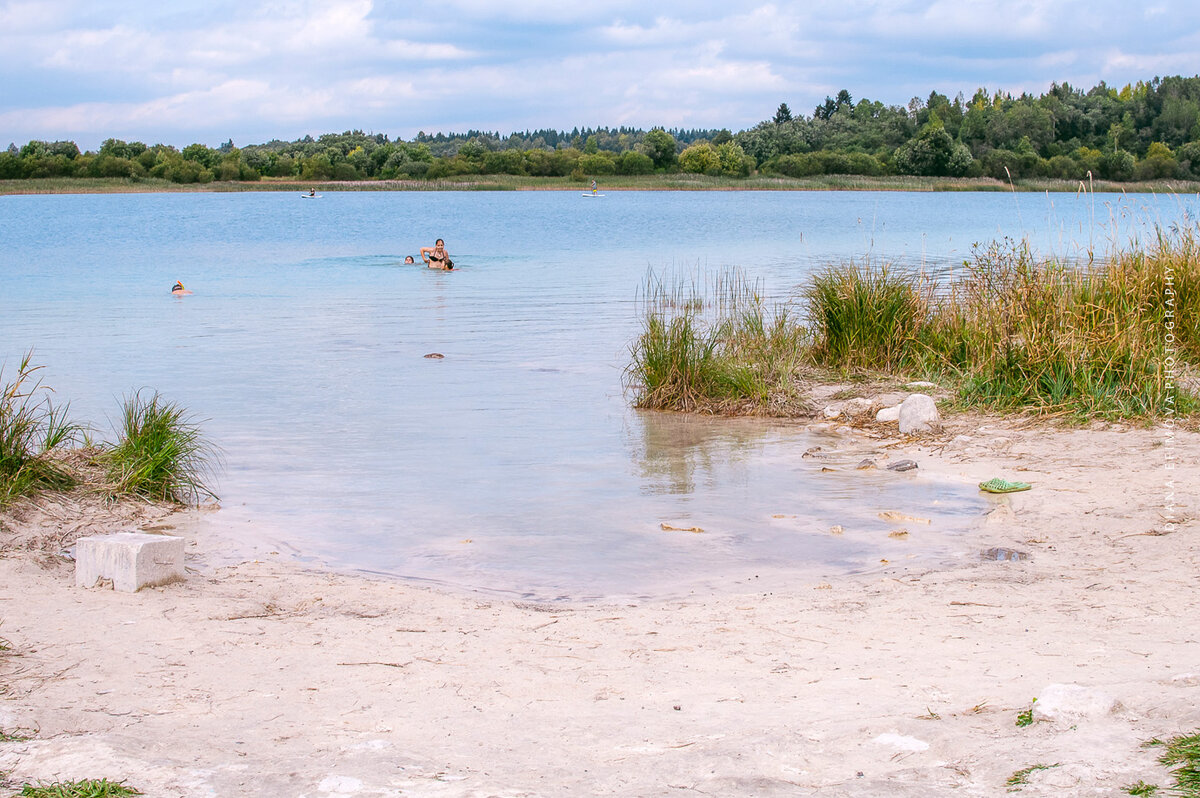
(436, 257)
(179, 290)
(409, 259)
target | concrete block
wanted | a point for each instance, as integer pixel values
(132, 560)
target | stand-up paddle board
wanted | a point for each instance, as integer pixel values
(311, 196)
(591, 195)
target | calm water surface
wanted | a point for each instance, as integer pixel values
(515, 463)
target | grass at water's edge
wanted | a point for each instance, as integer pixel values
(159, 454)
(1013, 332)
(656, 182)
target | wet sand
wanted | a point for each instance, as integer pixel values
(267, 679)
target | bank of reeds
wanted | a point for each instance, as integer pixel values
(717, 347)
(1108, 338)
(31, 427)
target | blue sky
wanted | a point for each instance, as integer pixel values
(184, 72)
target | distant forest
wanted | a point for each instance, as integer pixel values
(1144, 131)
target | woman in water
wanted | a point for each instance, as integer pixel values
(436, 257)
(179, 290)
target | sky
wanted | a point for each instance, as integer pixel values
(180, 72)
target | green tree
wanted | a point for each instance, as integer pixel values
(660, 146)
(783, 114)
(933, 152)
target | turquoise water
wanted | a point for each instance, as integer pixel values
(303, 346)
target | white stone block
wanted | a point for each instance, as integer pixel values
(132, 560)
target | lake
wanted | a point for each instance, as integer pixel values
(513, 464)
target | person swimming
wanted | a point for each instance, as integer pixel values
(436, 256)
(178, 289)
(409, 259)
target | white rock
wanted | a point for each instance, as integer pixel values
(857, 407)
(919, 413)
(921, 384)
(1071, 702)
(132, 560)
(901, 742)
(831, 411)
(888, 414)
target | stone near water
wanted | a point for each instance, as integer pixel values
(901, 465)
(918, 414)
(888, 414)
(1072, 702)
(132, 560)
(831, 412)
(865, 465)
(1003, 554)
(857, 407)
(928, 386)
(435, 356)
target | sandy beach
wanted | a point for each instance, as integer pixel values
(269, 679)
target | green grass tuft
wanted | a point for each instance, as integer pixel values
(1141, 788)
(714, 348)
(1182, 757)
(1021, 777)
(864, 316)
(160, 454)
(30, 427)
(84, 788)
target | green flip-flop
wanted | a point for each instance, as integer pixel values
(997, 485)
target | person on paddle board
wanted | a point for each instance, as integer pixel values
(593, 186)
(436, 256)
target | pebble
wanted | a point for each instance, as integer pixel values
(435, 355)
(901, 465)
(865, 464)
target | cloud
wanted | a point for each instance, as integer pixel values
(224, 68)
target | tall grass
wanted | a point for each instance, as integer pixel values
(1102, 338)
(864, 316)
(715, 347)
(161, 453)
(30, 428)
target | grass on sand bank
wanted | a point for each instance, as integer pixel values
(83, 788)
(159, 453)
(1110, 339)
(30, 428)
(714, 348)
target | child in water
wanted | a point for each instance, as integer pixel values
(179, 290)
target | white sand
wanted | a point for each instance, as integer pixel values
(265, 679)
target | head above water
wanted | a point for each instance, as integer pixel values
(409, 259)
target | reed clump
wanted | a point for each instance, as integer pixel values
(1088, 339)
(864, 316)
(716, 347)
(1112, 338)
(160, 453)
(31, 427)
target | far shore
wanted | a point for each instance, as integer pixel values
(270, 678)
(660, 182)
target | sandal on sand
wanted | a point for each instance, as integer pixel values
(997, 485)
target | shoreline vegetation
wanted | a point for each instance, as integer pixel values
(1145, 133)
(1111, 338)
(160, 453)
(661, 182)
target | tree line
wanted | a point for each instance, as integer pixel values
(1145, 131)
